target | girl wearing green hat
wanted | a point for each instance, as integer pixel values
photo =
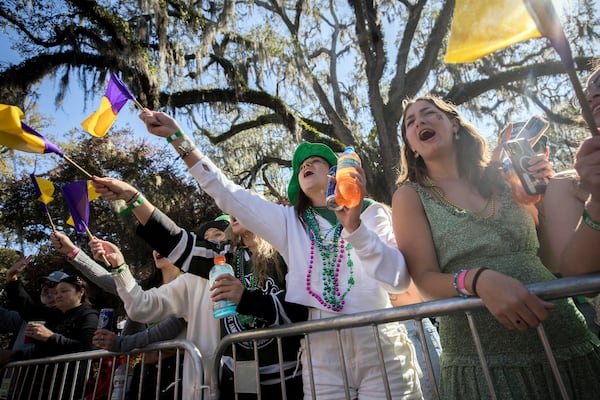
(340, 262)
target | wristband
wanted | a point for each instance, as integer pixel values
(133, 198)
(455, 283)
(475, 278)
(73, 253)
(174, 136)
(120, 269)
(135, 204)
(461, 282)
(589, 221)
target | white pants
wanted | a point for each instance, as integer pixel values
(361, 361)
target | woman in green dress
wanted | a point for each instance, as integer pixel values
(462, 234)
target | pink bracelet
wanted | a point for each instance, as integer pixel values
(73, 253)
(461, 282)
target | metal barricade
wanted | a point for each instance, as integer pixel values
(560, 288)
(96, 375)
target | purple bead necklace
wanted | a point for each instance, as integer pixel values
(332, 252)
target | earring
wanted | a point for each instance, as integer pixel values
(456, 136)
(416, 154)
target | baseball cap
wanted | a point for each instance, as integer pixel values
(55, 276)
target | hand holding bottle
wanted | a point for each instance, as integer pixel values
(348, 192)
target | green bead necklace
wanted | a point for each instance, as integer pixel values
(332, 252)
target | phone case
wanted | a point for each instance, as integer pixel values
(519, 151)
(534, 128)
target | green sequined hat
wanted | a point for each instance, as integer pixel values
(304, 151)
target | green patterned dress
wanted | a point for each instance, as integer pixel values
(518, 365)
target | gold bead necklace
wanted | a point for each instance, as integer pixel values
(441, 197)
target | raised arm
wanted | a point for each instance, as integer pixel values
(93, 271)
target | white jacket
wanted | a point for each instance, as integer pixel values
(379, 267)
(186, 297)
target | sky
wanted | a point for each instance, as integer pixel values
(76, 108)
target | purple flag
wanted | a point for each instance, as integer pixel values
(76, 196)
(115, 97)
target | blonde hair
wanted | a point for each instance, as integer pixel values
(263, 258)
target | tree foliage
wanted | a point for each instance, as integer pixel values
(152, 171)
(257, 76)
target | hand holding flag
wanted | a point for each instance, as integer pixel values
(77, 199)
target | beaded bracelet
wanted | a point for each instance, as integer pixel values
(174, 136)
(475, 278)
(455, 284)
(187, 152)
(135, 204)
(120, 269)
(185, 149)
(589, 221)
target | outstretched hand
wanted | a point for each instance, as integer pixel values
(62, 243)
(159, 123)
(113, 189)
(13, 271)
(102, 248)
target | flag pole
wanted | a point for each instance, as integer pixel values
(50, 219)
(546, 19)
(91, 236)
(586, 111)
(77, 166)
(138, 104)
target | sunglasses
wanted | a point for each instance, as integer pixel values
(49, 284)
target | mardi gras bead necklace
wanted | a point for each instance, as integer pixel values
(239, 265)
(332, 251)
(442, 197)
(245, 320)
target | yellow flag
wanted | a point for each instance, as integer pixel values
(481, 27)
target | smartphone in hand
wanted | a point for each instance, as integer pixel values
(520, 152)
(531, 130)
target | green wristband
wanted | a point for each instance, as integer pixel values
(122, 268)
(136, 203)
(589, 221)
(174, 136)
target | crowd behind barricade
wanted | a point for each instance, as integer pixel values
(459, 227)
